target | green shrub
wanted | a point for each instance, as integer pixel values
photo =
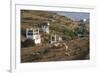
(81, 30)
(27, 43)
(68, 33)
(23, 32)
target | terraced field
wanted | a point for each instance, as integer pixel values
(78, 49)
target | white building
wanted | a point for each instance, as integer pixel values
(45, 27)
(33, 33)
(55, 38)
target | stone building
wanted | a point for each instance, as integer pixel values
(33, 33)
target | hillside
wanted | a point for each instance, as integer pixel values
(76, 51)
(58, 24)
(72, 37)
(40, 16)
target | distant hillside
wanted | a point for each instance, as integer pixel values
(31, 17)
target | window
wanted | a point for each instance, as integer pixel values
(53, 38)
(30, 32)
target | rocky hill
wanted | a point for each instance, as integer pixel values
(58, 23)
(68, 29)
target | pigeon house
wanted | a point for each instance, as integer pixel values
(33, 33)
(45, 27)
(55, 38)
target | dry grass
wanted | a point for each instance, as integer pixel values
(78, 49)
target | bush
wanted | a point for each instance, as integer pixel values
(27, 43)
(82, 31)
(23, 32)
(68, 33)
